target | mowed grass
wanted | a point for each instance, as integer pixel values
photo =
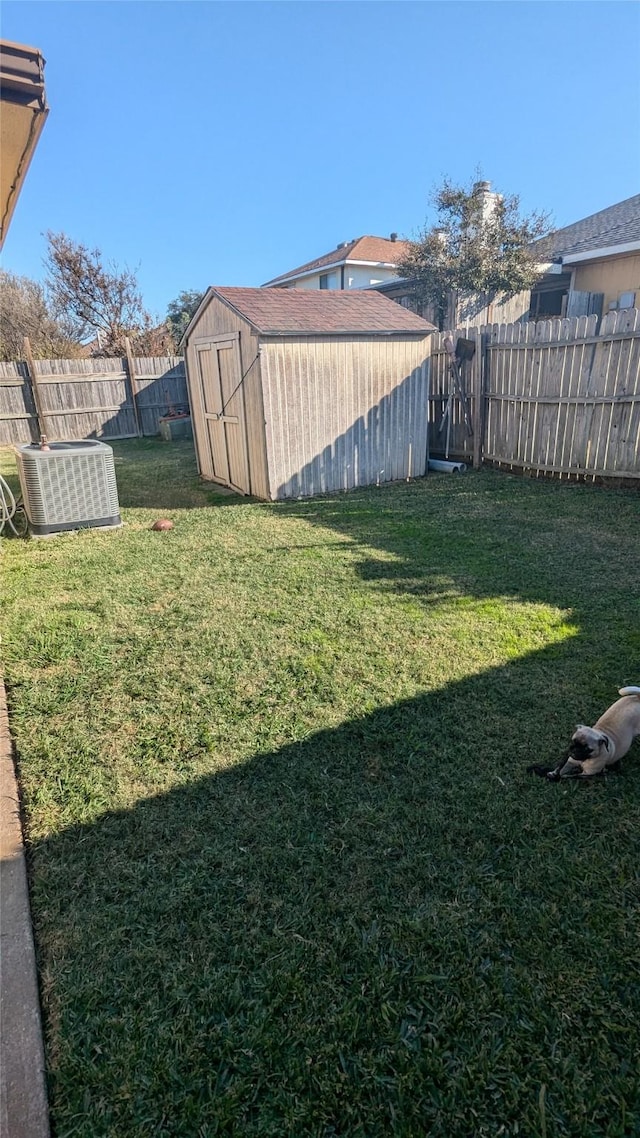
(289, 874)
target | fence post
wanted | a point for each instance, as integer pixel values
(35, 390)
(132, 380)
(479, 417)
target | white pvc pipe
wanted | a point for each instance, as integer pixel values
(447, 467)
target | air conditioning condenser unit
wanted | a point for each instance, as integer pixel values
(68, 486)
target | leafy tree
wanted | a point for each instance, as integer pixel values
(180, 311)
(26, 311)
(98, 301)
(479, 244)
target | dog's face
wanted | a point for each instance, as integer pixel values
(586, 743)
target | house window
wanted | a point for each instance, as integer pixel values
(548, 298)
(546, 304)
(327, 280)
(626, 300)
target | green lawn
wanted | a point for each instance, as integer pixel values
(289, 874)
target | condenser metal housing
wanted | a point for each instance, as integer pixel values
(69, 486)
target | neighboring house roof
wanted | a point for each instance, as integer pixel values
(368, 250)
(24, 110)
(611, 231)
(617, 225)
(302, 312)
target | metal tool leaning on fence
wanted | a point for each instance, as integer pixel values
(464, 350)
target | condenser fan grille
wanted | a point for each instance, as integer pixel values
(68, 486)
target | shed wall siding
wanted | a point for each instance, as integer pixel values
(217, 317)
(343, 412)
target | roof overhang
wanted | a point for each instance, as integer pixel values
(299, 276)
(322, 269)
(24, 110)
(399, 283)
(600, 254)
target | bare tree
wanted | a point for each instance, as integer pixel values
(99, 301)
(26, 311)
(153, 339)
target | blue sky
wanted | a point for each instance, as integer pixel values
(225, 143)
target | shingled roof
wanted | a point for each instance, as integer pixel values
(377, 250)
(278, 312)
(617, 225)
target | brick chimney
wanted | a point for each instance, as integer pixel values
(489, 198)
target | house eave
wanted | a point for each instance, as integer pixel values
(322, 269)
(600, 254)
(549, 268)
(299, 276)
(24, 110)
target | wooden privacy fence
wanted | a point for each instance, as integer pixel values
(78, 399)
(555, 396)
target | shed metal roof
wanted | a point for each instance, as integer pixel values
(302, 312)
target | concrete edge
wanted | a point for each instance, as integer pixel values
(24, 1111)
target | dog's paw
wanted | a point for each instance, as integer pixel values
(574, 769)
(541, 771)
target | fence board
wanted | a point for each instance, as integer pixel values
(90, 398)
(554, 396)
(551, 396)
(563, 399)
(461, 444)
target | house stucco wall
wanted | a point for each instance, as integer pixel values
(360, 276)
(612, 276)
(363, 276)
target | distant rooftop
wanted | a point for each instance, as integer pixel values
(372, 250)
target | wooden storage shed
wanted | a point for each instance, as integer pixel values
(295, 393)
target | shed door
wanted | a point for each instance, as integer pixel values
(220, 379)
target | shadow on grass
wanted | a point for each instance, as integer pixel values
(387, 928)
(571, 546)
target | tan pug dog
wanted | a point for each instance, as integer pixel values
(593, 749)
